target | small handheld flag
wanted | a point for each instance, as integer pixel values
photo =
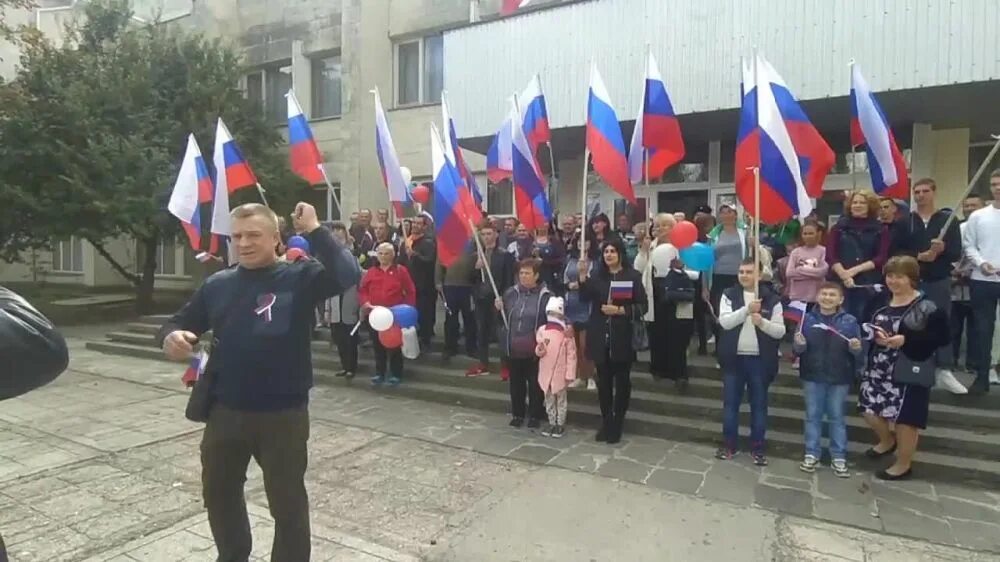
(795, 311)
(620, 291)
(195, 369)
(830, 329)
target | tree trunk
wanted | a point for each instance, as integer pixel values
(144, 288)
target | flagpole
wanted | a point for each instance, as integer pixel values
(260, 190)
(756, 229)
(486, 267)
(583, 205)
(333, 193)
(554, 201)
(645, 164)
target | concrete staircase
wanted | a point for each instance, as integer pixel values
(962, 444)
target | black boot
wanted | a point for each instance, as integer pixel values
(604, 432)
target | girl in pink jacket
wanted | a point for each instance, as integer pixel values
(556, 349)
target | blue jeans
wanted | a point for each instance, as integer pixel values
(985, 297)
(825, 399)
(747, 373)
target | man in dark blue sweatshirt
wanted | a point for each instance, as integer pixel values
(261, 316)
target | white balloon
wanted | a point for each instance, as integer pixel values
(380, 319)
(407, 174)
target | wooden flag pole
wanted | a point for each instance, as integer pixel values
(263, 198)
(486, 267)
(333, 194)
(554, 192)
(583, 205)
(756, 230)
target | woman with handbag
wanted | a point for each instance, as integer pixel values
(895, 388)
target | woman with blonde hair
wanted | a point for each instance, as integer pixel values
(857, 250)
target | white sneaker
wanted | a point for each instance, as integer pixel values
(577, 383)
(947, 380)
(711, 339)
(994, 376)
(591, 384)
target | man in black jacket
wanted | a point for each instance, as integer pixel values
(419, 254)
(936, 251)
(261, 316)
(32, 352)
(501, 265)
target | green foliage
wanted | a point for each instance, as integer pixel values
(92, 131)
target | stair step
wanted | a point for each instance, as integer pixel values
(960, 442)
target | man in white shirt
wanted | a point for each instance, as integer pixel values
(982, 248)
(752, 326)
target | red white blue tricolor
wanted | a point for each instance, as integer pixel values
(303, 152)
(604, 139)
(232, 172)
(657, 134)
(870, 128)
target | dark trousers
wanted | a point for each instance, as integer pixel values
(458, 301)
(963, 322)
(394, 358)
(277, 441)
(426, 316)
(524, 384)
(985, 296)
(3, 551)
(720, 283)
(747, 373)
(614, 390)
(669, 337)
(347, 345)
(701, 322)
(487, 318)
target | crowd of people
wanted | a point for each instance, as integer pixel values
(881, 286)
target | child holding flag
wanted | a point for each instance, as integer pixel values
(829, 348)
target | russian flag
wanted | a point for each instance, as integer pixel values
(192, 188)
(195, 368)
(453, 153)
(620, 291)
(303, 152)
(795, 311)
(499, 158)
(532, 205)
(536, 116)
(455, 211)
(232, 172)
(510, 6)
(604, 139)
(776, 135)
(657, 133)
(870, 128)
(392, 174)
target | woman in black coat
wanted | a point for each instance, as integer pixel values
(619, 301)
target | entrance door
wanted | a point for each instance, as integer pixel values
(683, 201)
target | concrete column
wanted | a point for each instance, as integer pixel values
(951, 165)
(570, 176)
(922, 157)
(302, 76)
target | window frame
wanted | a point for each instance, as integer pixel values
(264, 71)
(58, 250)
(421, 71)
(316, 62)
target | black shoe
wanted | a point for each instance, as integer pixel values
(602, 435)
(873, 454)
(702, 351)
(447, 355)
(615, 432)
(516, 422)
(681, 385)
(979, 389)
(558, 431)
(533, 423)
(883, 475)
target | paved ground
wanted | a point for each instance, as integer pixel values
(102, 466)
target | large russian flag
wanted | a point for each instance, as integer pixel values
(657, 134)
(453, 153)
(455, 211)
(532, 205)
(776, 135)
(510, 6)
(392, 174)
(232, 172)
(499, 160)
(536, 116)
(870, 128)
(604, 139)
(303, 152)
(192, 186)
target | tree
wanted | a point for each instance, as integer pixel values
(5, 30)
(92, 132)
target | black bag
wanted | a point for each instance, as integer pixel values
(200, 401)
(916, 373)
(675, 287)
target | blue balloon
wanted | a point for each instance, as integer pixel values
(298, 242)
(405, 315)
(698, 256)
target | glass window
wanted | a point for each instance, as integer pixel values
(691, 172)
(433, 68)
(255, 88)
(408, 73)
(166, 257)
(278, 82)
(67, 255)
(326, 85)
(500, 198)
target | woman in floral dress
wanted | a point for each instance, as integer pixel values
(910, 327)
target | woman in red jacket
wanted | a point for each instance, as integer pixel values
(386, 285)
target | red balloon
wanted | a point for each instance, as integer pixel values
(684, 234)
(391, 338)
(421, 194)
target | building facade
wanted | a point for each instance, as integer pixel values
(933, 66)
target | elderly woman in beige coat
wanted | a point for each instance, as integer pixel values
(671, 291)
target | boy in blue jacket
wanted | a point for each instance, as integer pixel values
(828, 347)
